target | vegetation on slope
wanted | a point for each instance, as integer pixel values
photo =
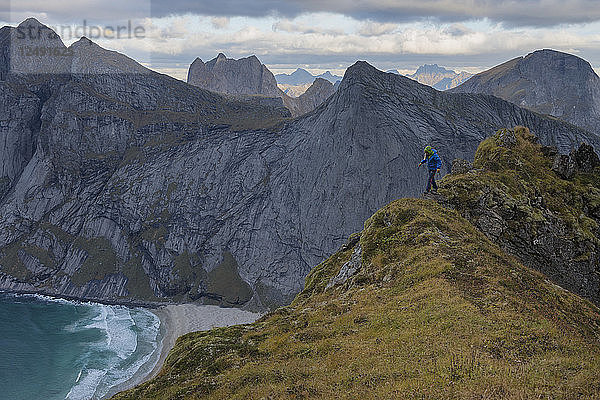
(514, 196)
(434, 310)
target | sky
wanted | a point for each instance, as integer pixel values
(320, 35)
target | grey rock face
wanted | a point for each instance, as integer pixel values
(348, 269)
(546, 81)
(144, 187)
(226, 75)
(247, 76)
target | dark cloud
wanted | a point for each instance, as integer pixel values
(509, 12)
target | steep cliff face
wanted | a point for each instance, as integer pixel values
(144, 187)
(247, 76)
(546, 81)
(549, 222)
(225, 75)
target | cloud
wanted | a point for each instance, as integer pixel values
(220, 22)
(286, 25)
(371, 28)
(508, 12)
(294, 42)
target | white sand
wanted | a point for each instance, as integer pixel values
(185, 318)
(177, 320)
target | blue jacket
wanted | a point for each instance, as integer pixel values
(433, 162)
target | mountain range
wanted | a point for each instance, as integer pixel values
(438, 77)
(301, 77)
(123, 184)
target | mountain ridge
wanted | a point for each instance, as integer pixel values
(176, 185)
(419, 302)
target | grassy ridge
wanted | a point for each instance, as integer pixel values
(436, 310)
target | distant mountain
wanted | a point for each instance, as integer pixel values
(546, 81)
(298, 77)
(393, 71)
(248, 76)
(438, 77)
(293, 90)
(302, 77)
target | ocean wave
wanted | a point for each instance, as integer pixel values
(112, 344)
(130, 339)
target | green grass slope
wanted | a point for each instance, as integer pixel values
(434, 310)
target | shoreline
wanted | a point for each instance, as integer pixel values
(177, 320)
(180, 319)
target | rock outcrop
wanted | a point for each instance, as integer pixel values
(549, 221)
(225, 75)
(547, 81)
(124, 184)
(248, 76)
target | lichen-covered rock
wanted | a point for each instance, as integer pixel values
(460, 166)
(585, 158)
(564, 166)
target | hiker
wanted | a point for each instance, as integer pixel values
(434, 163)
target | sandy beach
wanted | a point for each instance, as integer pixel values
(177, 320)
(180, 319)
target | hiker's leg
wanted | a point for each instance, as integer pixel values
(433, 183)
(428, 187)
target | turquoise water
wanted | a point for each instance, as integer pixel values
(57, 349)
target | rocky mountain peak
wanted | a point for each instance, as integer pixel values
(245, 76)
(546, 81)
(431, 69)
(91, 58)
(32, 22)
